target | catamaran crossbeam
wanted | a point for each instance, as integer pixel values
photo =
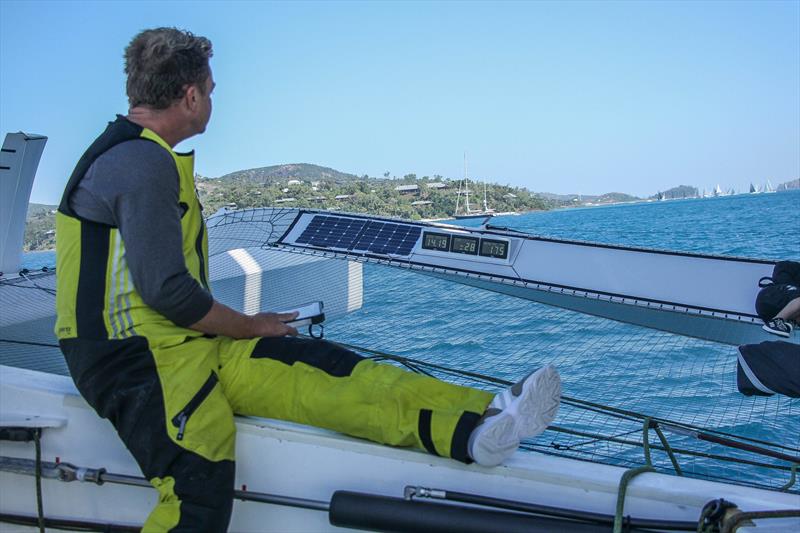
(703, 296)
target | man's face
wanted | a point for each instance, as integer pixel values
(203, 111)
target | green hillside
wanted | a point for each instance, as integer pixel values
(681, 191)
(318, 187)
(313, 186)
(40, 227)
(277, 173)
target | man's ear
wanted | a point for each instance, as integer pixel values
(191, 97)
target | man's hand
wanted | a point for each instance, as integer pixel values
(222, 320)
(273, 324)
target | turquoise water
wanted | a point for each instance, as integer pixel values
(758, 225)
(600, 360)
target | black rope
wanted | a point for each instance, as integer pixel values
(37, 440)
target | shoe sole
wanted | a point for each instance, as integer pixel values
(777, 332)
(534, 407)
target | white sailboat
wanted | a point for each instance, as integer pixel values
(768, 187)
(468, 212)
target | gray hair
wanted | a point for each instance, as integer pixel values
(162, 63)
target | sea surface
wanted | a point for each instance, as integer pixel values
(601, 361)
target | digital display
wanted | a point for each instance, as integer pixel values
(436, 241)
(493, 248)
(464, 245)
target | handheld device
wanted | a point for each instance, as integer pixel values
(309, 314)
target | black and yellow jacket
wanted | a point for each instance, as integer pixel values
(96, 297)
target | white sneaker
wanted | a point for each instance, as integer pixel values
(522, 411)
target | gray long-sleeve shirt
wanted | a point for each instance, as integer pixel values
(135, 187)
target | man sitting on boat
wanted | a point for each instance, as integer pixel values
(151, 350)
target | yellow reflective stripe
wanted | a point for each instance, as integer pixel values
(127, 298)
(111, 292)
(120, 287)
(119, 301)
(108, 311)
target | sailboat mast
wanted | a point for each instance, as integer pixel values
(466, 185)
(458, 198)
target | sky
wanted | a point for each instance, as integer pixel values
(565, 97)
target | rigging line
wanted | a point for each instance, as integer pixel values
(600, 438)
(597, 407)
(590, 457)
(682, 451)
(608, 411)
(704, 475)
(597, 437)
(731, 443)
(624, 413)
(45, 289)
(30, 343)
(35, 287)
(579, 403)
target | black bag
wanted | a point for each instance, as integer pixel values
(786, 272)
(777, 291)
(783, 273)
(769, 368)
(773, 298)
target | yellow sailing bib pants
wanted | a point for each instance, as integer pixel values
(171, 392)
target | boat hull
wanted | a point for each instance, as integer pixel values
(291, 460)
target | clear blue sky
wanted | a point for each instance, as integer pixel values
(562, 97)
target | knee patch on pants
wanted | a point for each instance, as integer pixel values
(326, 356)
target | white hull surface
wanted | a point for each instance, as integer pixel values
(295, 461)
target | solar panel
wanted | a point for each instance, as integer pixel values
(360, 235)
